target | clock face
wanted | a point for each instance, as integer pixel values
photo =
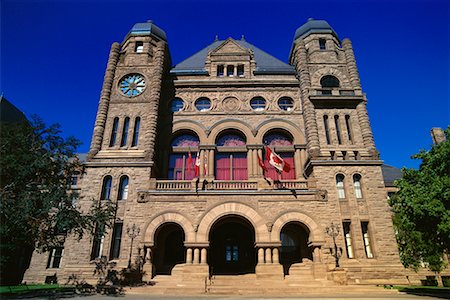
(132, 85)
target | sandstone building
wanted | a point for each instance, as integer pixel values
(220, 107)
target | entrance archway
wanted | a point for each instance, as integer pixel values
(294, 245)
(169, 248)
(232, 246)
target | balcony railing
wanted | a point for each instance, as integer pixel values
(192, 185)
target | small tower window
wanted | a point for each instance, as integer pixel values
(240, 70)
(286, 103)
(357, 186)
(322, 44)
(338, 129)
(230, 71)
(123, 188)
(137, 125)
(106, 188)
(112, 140)
(126, 124)
(203, 104)
(340, 186)
(327, 129)
(349, 128)
(139, 48)
(329, 81)
(220, 70)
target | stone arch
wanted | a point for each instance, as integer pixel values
(194, 126)
(239, 125)
(232, 208)
(315, 232)
(316, 76)
(292, 128)
(166, 217)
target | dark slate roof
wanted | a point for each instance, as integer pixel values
(9, 113)
(265, 63)
(147, 28)
(314, 26)
(390, 174)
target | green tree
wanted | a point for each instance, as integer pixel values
(37, 209)
(422, 209)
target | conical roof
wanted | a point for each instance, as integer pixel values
(314, 26)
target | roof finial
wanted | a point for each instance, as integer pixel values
(150, 21)
(217, 38)
(242, 38)
(310, 19)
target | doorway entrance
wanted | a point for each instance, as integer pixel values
(232, 247)
(294, 245)
(169, 248)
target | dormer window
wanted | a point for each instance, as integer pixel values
(220, 71)
(230, 71)
(240, 70)
(139, 48)
(322, 44)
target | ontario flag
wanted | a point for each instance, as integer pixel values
(189, 161)
(276, 161)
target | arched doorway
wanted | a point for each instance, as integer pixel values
(294, 245)
(169, 248)
(232, 246)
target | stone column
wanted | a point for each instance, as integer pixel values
(196, 256)
(259, 170)
(202, 165)
(351, 63)
(300, 60)
(203, 256)
(250, 163)
(260, 256)
(189, 256)
(268, 256)
(275, 256)
(211, 163)
(147, 268)
(103, 105)
(298, 164)
(366, 131)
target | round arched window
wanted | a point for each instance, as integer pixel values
(286, 103)
(231, 139)
(203, 104)
(329, 81)
(258, 103)
(176, 104)
(278, 138)
(185, 140)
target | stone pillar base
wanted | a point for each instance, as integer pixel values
(191, 271)
(269, 271)
(339, 276)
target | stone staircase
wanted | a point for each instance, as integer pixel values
(249, 284)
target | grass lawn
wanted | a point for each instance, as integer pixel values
(17, 289)
(424, 290)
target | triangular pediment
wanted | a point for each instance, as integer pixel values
(230, 47)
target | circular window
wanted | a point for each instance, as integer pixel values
(203, 104)
(132, 85)
(177, 104)
(258, 104)
(286, 103)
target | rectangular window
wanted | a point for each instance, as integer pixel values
(240, 70)
(327, 129)
(338, 129)
(97, 245)
(322, 44)
(139, 47)
(231, 166)
(230, 71)
(348, 238)
(349, 128)
(181, 167)
(55, 257)
(366, 239)
(220, 70)
(115, 241)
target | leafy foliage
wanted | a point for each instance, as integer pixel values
(36, 207)
(422, 209)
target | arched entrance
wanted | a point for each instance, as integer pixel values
(232, 246)
(294, 245)
(169, 248)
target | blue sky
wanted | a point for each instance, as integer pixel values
(54, 53)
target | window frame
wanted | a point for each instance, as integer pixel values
(126, 127)
(114, 131)
(200, 104)
(285, 106)
(116, 241)
(106, 189)
(340, 186)
(53, 256)
(257, 106)
(367, 240)
(124, 184)
(357, 178)
(347, 232)
(136, 129)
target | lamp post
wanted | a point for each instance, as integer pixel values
(132, 232)
(333, 232)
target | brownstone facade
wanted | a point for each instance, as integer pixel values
(223, 105)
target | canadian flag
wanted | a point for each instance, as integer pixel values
(197, 165)
(276, 161)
